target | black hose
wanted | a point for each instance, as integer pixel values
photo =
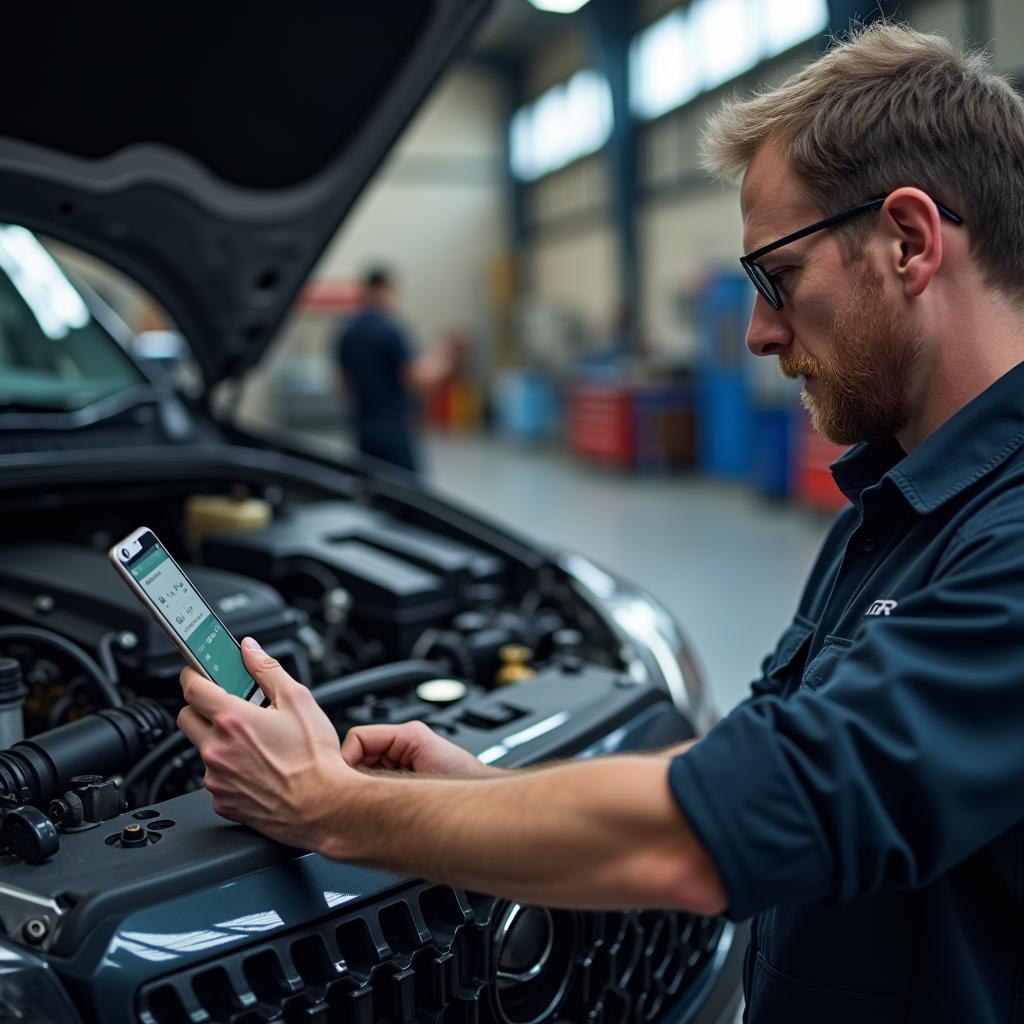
(446, 643)
(106, 652)
(338, 632)
(399, 675)
(167, 746)
(106, 686)
(61, 706)
(164, 773)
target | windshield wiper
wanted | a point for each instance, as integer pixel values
(39, 413)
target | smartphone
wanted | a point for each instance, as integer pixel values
(171, 598)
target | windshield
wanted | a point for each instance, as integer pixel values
(53, 354)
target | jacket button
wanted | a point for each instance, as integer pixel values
(867, 545)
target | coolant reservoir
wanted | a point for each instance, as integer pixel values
(207, 514)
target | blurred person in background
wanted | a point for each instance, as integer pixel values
(382, 378)
(866, 804)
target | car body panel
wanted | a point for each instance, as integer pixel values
(211, 153)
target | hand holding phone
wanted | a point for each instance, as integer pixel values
(277, 772)
(161, 585)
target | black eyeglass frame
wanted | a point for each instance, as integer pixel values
(762, 280)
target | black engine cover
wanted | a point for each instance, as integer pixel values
(402, 579)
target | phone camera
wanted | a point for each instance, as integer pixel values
(125, 554)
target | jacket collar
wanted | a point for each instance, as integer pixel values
(967, 447)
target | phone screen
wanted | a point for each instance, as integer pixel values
(191, 618)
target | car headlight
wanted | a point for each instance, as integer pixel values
(653, 646)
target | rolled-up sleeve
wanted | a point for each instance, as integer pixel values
(907, 759)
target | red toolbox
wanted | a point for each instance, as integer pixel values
(601, 423)
(814, 454)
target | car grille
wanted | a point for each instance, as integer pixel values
(435, 954)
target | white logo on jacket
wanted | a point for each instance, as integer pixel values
(881, 608)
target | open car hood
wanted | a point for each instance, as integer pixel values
(210, 152)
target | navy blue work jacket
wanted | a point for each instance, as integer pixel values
(373, 352)
(867, 803)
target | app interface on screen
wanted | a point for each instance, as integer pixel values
(192, 620)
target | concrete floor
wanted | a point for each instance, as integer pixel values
(728, 564)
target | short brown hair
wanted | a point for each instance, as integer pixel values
(886, 107)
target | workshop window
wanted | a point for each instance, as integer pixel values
(713, 41)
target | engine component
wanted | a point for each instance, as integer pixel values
(90, 800)
(132, 835)
(401, 579)
(396, 678)
(12, 699)
(207, 514)
(515, 664)
(35, 771)
(448, 648)
(472, 646)
(27, 833)
(567, 642)
(87, 603)
(33, 635)
(441, 692)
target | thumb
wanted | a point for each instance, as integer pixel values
(352, 751)
(267, 671)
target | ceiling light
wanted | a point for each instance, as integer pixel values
(559, 6)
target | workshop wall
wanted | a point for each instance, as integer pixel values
(1005, 29)
(436, 214)
(682, 237)
(571, 267)
(576, 270)
(688, 226)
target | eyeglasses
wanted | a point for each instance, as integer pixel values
(763, 280)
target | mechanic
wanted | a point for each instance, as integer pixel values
(867, 802)
(377, 369)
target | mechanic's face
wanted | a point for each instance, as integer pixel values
(838, 328)
(381, 297)
(859, 390)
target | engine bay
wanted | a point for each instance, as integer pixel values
(125, 897)
(384, 617)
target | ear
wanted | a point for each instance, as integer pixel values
(913, 225)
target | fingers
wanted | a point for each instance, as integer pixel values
(267, 671)
(352, 749)
(374, 745)
(392, 746)
(202, 694)
(194, 726)
(366, 744)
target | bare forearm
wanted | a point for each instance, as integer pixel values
(602, 833)
(677, 749)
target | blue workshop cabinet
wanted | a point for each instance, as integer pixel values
(724, 402)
